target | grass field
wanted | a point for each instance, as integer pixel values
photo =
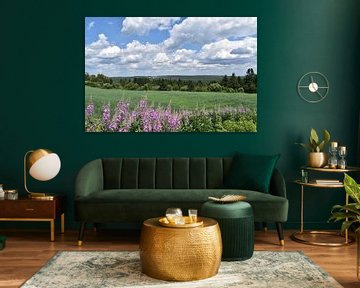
(179, 100)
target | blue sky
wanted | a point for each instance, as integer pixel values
(152, 46)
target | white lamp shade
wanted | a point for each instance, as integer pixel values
(46, 168)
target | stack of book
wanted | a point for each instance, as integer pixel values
(327, 181)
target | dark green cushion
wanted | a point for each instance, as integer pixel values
(141, 204)
(219, 210)
(251, 172)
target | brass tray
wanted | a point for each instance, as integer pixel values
(165, 222)
(228, 198)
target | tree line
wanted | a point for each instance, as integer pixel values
(230, 84)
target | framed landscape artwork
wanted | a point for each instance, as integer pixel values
(170, 74)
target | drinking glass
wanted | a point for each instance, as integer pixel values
(172, 214)
(304, 176)
(193, 215)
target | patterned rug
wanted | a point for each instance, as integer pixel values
(122, 269)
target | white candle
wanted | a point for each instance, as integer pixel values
(342, 149)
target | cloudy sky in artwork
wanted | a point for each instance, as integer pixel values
(154, 46)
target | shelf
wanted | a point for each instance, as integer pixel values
(317, 237)
(313, 184)
(348, 169)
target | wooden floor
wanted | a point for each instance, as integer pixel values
(28, 250)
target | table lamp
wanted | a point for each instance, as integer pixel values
(43, 165)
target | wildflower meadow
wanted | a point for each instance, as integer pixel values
(146, 117)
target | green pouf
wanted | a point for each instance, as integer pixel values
(236, 221)
(2, 242)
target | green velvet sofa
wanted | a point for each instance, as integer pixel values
(130, 190)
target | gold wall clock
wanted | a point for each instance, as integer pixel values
(313, 87)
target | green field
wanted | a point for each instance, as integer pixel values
(179, 100)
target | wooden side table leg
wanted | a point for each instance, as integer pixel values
(52, 230)
(63, 223)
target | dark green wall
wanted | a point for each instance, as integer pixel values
(42, 93)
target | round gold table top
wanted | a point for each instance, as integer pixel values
(154, 223)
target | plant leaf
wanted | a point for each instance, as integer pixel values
(312, 144)
(350, 207)
(306, 146)
(314, 136)
(321, 146)
(352, 188)
(326, 136)
(346, 225)
(336, 216)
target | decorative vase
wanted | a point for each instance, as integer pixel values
(317, 159)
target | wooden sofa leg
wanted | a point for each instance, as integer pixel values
(280, 233)
(265, 227)
(81, 233)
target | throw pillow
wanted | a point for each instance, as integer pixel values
(251, 172)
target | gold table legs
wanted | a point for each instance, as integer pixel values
(297, 235)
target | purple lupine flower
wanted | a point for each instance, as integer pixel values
(143, 104)
(174, 122)
(89, 110)
(106, 114)
(156, 120)
(121, 114)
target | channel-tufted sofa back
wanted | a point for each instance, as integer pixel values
(164, 173)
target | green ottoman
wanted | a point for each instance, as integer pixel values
(236, 221)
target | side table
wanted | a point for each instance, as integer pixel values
(180, 254)
(27, 209)
(297, 235)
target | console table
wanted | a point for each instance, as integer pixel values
(27, 209)
(297, 235)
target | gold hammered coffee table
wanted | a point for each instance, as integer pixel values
(180, 254)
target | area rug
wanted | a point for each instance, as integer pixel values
(80, 269)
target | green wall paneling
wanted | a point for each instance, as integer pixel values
(42, 95)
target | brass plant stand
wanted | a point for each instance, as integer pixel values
(297, 235)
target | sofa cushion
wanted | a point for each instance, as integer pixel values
(266, 207)
(251, 172)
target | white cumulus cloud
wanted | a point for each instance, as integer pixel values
(226, 50)
(161, 58)
(197, 45)
(143, 25)
(91, 25)
(203, 30)
(110, 52)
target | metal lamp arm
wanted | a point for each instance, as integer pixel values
(25, 169)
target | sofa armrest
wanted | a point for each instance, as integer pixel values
(277, 184)
(89, 179)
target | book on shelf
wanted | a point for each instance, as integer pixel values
(327, 181)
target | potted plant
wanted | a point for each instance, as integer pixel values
(350, 213)
(317, 157)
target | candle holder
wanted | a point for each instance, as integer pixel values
(333, 162)
(342, 154)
